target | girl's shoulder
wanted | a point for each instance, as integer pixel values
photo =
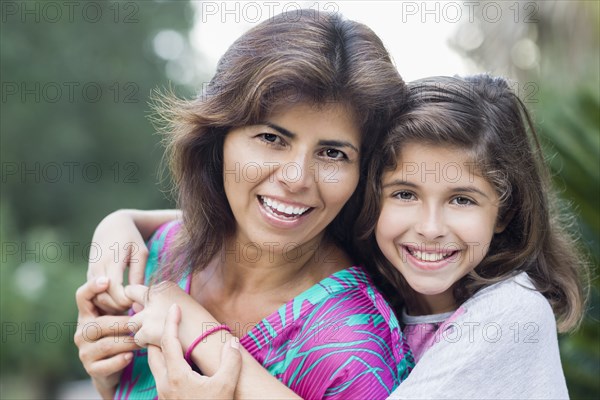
(515, 298)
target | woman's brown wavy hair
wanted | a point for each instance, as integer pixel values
(301, 56)
(482, 115)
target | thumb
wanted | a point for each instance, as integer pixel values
(231, 364)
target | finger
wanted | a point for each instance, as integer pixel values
(86, 292)
(137, 293)
(171, 346)
(116, 289)
(157, 364)
(104, 326)
(110, 365)
(137, 267)
(136, 322)
(108, 347)
(231, 364)
(106, 304)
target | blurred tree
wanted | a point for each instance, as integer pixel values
(552, 48)
(75, 145)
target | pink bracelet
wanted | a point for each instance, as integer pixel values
(188, 353)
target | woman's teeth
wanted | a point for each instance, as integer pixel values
(287, 210)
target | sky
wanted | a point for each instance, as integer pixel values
(415, 33)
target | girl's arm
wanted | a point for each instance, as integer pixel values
(118, 243)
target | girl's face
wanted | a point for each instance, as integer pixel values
(286, 179)
(437, 220)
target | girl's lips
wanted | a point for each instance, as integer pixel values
(429, 260)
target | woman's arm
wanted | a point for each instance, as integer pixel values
(254, 380)
(118, 243)
(175, 379)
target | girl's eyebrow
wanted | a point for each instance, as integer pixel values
(399, 182)
(460, 189)
(470, 189)
(291, 135)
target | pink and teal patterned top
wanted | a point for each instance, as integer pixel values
(337, 340)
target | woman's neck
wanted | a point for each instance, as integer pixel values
(247, 268)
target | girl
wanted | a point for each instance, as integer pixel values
(268, 164)
(461, 227)
(462, 222)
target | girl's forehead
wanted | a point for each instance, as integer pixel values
(426, 161)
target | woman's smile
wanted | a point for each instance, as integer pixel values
(294, 172)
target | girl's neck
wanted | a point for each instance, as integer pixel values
(432, 304)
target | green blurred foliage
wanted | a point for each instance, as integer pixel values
(76, 144)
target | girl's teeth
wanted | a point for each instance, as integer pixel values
(431, 257)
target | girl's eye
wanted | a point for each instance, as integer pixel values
(334, 154)
(404, 195)
(463, 201)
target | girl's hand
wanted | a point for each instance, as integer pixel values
(104, 342)
(116, 245)
(148, 324)
(174, 377)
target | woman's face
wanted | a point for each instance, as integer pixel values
(287, 178)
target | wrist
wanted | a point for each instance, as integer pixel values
(105, 389)
(203, 337)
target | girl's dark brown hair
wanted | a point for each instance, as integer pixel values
(302, 56)
(481, 114)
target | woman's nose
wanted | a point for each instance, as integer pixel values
(296, 173)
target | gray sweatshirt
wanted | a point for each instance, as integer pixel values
(500, 344)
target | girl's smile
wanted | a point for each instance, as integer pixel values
(437, 219)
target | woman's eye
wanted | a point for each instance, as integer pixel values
(463, 201)
(334, 154)
(270, 138)
(404, 195)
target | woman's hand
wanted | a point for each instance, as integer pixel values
(175, 379)
(104, 342)
(148, 324)
(116, 245)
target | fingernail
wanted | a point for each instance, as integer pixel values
(235, 343)
(101, 281)
(172, 308)
(128, 357)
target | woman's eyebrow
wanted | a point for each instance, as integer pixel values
(281, 130)
(291, 135)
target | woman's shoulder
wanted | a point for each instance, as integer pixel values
(350, 286)
(159, 245)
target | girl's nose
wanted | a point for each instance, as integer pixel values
(431, 224)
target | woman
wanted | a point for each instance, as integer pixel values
(268, 165)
